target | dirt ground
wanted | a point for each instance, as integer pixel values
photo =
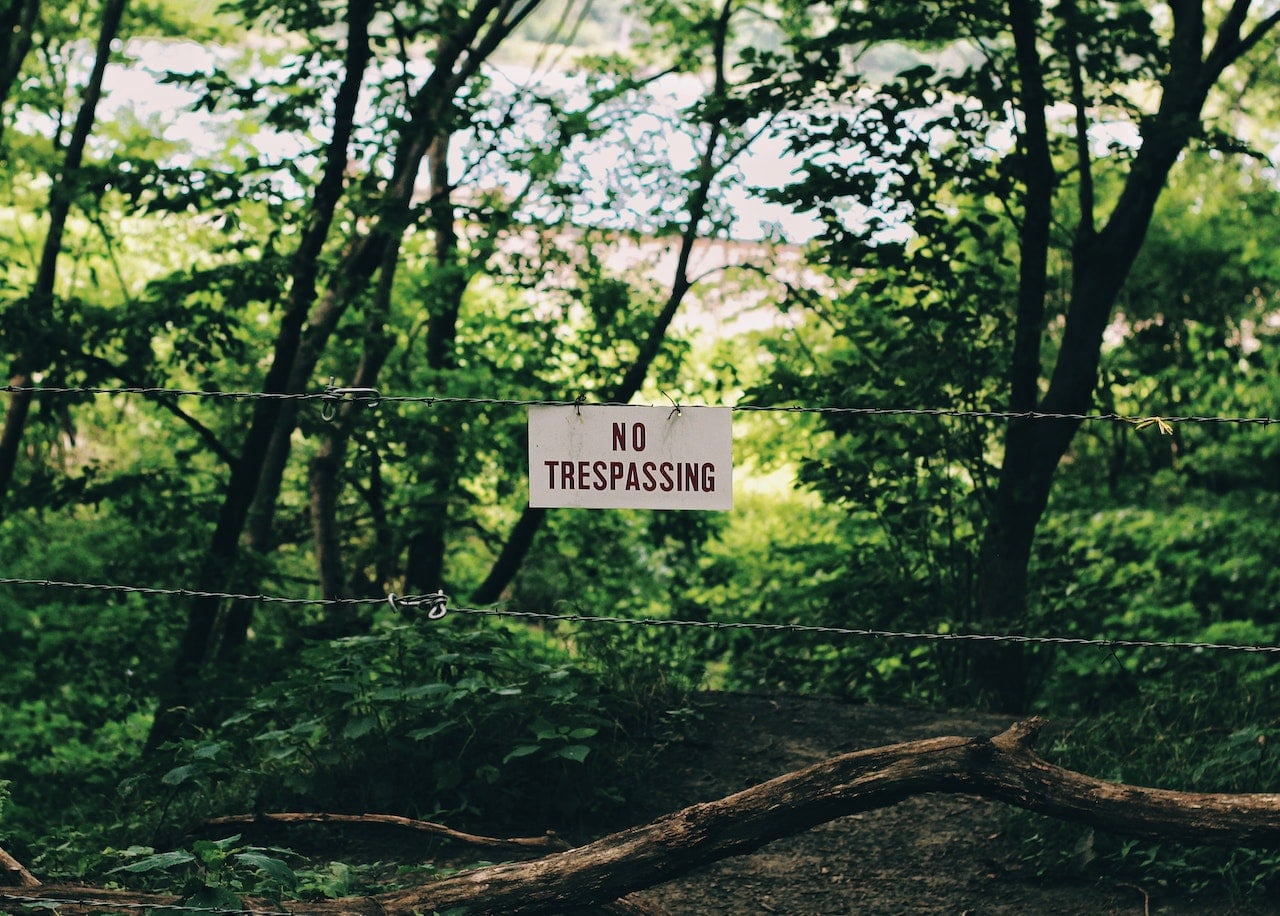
(957, 855)
(933, 854)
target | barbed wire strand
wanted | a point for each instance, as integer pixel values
(40, 902)
(411, 602)
(371, 398)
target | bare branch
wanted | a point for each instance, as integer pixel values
(1084, 161)
(550, 840)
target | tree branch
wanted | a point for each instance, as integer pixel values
(1024, 372)
(208, 436)
(1084, 161)
(1229, 47)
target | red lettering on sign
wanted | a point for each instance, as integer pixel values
(638, 437)
(692, 481)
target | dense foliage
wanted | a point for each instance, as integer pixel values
(976, 207)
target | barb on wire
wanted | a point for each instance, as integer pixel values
(372, 396)
(437, 606)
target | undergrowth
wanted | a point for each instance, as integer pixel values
(1206, 725)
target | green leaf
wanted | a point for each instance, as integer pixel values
(544, 730)
(399, 694)
(158, 862)
(523, 750)
(210, 853)
(274, 869)
(208, 751)
(419, 733)
(178, 775)
(215, 898)
(138, 851)
(575, 752)
(359, 727)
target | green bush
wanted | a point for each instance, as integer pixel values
(1199, 571)
(467, 720)
(1209, 725)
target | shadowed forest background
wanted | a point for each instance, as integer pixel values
(1027, 251)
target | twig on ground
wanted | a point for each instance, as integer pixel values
(1146, 898)
(549, 841)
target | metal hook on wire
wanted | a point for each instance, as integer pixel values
(332, 396)
(436, 603)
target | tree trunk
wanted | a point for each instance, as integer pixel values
(1003, 768)
(39, 312)
(17, 34)
(1101, 263)
(326, 467)
(424, 563)
(516, 547)
(220, 559)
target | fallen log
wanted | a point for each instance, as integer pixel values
(1003, 768)
(13, 874)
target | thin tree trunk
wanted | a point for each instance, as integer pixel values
(459, 56)
(40, 300)
(1005, 551)
(424, 564)
(514, 550)
(17, 34)
(221, 556)
(456, 62)
(326, 466)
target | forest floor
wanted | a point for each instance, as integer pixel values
(943, 854)
(930, 854)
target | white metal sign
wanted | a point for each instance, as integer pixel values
(593, 456)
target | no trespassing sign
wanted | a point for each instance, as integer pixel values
(610, 457)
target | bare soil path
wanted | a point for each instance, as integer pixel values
(933, 854)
